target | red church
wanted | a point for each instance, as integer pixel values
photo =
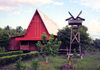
(39, 23)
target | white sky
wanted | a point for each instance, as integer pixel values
(19, 12)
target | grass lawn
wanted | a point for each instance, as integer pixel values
(89, 62)
(54, 64)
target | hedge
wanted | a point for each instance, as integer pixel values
(10, 59)
(10, 53)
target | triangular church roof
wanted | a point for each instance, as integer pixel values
(50, 26)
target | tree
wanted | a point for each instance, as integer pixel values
(97, 44)
(18, 64)
(44, 38)
(49, 48)
(7, 28)
(85, 40)
(0, 28)
(35, 64)
(38, 44)
(4, 39)
(64, 36)
(19, 29)
(6, 33)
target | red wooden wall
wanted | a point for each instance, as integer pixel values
(14, 45)
(36, 28)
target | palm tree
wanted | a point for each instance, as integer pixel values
(19, 29)
(8, 28)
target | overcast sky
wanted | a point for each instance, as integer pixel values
(19, 12)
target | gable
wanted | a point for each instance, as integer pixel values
(40, 23)
(36, 27)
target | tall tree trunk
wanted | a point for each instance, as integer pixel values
(47, 59)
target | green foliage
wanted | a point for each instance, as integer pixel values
(4, 38)
(97, 44)
(24, 67)
(18, 64)
(98, 68)
(10, 53)
(64, 36)
(74, 54)
(84, 38)
(44, 38)
(8, 59)
(12, 58)
(55, 47)
(48, 47)
(55, 63)
(19, 29)
(2, 49)
(6, 33)
(89, 62)
(35, 64)
(38, 44)
(52, 46)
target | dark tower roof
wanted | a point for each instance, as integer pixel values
(75, 21)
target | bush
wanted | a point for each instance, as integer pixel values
(18, 64)
(10, 53)
(2, 49)
(35, 64)
(10, 59)
(25, 67)
(98, 68)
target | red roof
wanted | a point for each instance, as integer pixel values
(40, 23)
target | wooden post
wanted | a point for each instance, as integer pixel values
(79, 41)
(71, 39)
(19, 45)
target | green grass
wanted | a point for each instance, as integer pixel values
(89, 62)
(55, 63)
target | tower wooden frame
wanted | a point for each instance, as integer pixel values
(75, 24)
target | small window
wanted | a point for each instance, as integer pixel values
(24, 43)
(31, 43)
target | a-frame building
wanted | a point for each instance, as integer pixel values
(40, 23)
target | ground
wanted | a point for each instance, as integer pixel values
(91, 61)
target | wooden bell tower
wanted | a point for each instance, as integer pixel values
(75, 24)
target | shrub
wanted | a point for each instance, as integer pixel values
(10, 59)
(18, 64)
(98, 68)
(10, 53)
(2, 49)
(25, 67)
(35, 64)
